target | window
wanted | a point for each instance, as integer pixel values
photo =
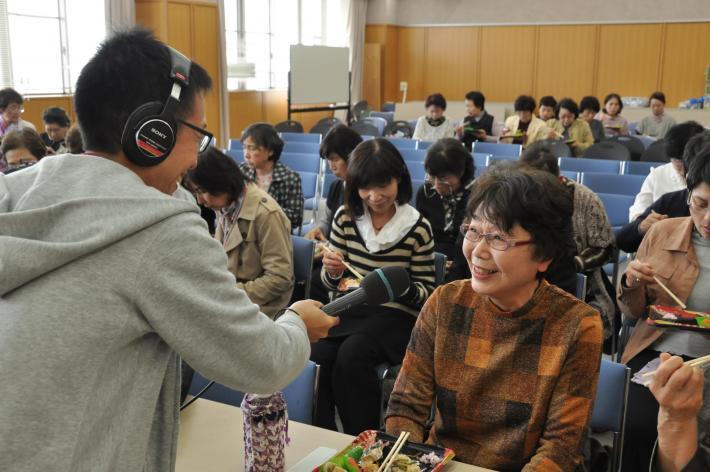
(259, 34)
(50, 41)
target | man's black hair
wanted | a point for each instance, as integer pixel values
(477, 98)
(678, 136)
(56, 116)
(524, 103)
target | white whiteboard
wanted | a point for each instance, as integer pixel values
(319, 74)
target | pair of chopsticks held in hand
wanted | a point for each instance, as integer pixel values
(348, 266)
(387, 463)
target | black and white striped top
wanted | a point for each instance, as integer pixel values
(414, 252)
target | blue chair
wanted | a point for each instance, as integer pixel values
(388, 106)
(303, 252)
(639, 167)
(295, 146)
(580, 164)
(493, 159)
(300, 395)
(416, 170)
(301, 137)
(632, 127)
(581, 288)
(424, 144)
(377, 122)
(365, 128)
(235, 144)
(617, 211)
(413, 155)
(236, 154)
(309, 184)
(645, 140)
(439, 268)
(480, 160)
(301, 161)
(367, 137)
(416, 184)
(613, 183)
(388, 116)
(404, 143)
(498, 149)
(328, 180)
(609, 411)
(570, 175)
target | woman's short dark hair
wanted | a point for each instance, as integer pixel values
(375, 162)
(216, 173)
(524, 103)
(8, 96)
(449, 156)
(56, 116)
(514, 193)
(618, 99)
(548, 101)
(437, 100)
(590, 103)
(699, 171)
(264, 135)
(569, 105)
(24, 138)
(660, 96)
(340, 141)
(678, 136)
(477, 98)
(541, 157)
(696, 146)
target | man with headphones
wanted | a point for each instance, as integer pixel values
(106, 281)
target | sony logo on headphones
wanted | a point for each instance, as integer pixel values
(155, 131)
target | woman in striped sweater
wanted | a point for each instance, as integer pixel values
(376, 227)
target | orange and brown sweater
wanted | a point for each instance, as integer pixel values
(513, 390)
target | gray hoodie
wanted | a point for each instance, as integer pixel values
(104, 283)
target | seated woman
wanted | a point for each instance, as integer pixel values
(658, 123)
(21, 148)
(477, 125)
(510, 361)
(442, 199)
(614, 124)
(252, 228)
(262, 149)
(376, 227)
(434, 125)
(683, 416)
(676, 253)
(56, 125)
(524, 127)
(589, 107)
(568, 127)
(593, 237)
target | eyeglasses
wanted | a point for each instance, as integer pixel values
(207, 137)
(494, 240)
(15, 108)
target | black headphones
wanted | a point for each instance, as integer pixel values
(151, 129)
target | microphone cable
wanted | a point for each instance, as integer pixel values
(199, 394)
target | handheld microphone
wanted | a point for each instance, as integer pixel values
(378, 287)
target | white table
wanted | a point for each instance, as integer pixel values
(211, 440)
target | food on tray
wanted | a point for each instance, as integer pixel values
(666, 316)
(367, 452)
(348, 283)
(319, 250)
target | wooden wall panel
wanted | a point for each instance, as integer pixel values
(180, 27)
(35, 106)
(685, 58)
(629, 57)
(372, 86)
(451, 61)
(152, 14)
(275, 106)
(566, 61)
(390, 64)
(245, 108)
(410, 61)
(206, 51)
(507, 61)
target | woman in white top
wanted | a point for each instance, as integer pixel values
(434, 125)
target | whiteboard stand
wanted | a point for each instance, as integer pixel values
(347, 106)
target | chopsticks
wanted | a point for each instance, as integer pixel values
(698, 362)
(403, 436)
(349, 267)
(676, 299)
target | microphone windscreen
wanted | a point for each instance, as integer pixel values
(384, 285)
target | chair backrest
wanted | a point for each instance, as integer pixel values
(581, 287)
(365, 127)
(403, 143)
(360, 109)
(639, 168)
(558, 148)
(632, 127)
(324, 125)
(416, 155)
(236, 154)
(439, 268)
(300, 394)
(303, 252)
(301, 161)
(289, 126)
(295, 146)
(617, 208)
(424, 144)
(656, 152)
(328, 180)
(608, 150)
(613, 183)
(589, 165)
(376, 121)
(235, 144)
(493, 159)
(388, 106)
(309, 183)
(288, 136)
(416, 170)
(416, 184)
(609, 411)
(399, 129)
(387, 115)
(481, 159)
(646, 140)
(497, 149)
(632, 143)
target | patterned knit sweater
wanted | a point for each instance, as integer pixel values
(513, 390)
(414, 252)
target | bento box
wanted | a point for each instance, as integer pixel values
(671, 317)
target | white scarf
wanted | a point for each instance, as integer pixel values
(405, 216)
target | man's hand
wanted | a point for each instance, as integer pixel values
(317, 322)
(646, 224)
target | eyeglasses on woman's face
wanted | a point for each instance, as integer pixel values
(495, 240)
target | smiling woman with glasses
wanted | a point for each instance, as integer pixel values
(510, 361)
(10, 116)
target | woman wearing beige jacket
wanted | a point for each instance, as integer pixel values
(252, 228)
(568, 127)
(524, 127)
